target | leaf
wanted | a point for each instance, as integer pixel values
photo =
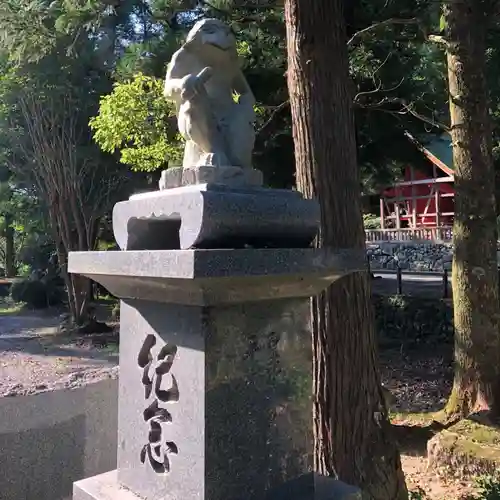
(135, 120)
(442, 23)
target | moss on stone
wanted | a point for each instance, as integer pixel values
(468, 448)
(477, 432)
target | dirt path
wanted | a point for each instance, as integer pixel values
(436, 486)
(35, 357)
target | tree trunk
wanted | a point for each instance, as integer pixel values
(475, 277)
(10, 256)
(81, 290)
(352, 433)
(78, 287)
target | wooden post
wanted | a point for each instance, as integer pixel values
(413, 200)
(397, 213)
(399, 279)
(382, 221)
(437, 196)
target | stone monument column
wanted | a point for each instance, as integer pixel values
(215, 351)
(214, 274)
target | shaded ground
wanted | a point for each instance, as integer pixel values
(35, 356)
(420, 381)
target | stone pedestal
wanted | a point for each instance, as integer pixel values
(206, 174)
(215, 363)
(215, 216)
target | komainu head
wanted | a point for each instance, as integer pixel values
(212, 38)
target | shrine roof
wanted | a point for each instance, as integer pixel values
(438, 150)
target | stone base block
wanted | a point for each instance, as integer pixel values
(206, 174)
(314, 487)
(102, 487)
(308, 487)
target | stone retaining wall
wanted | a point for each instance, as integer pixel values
(51, 439)
(411, 256)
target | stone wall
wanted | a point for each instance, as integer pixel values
(410, 255)
(51, 439)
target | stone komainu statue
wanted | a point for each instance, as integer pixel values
(202, 79)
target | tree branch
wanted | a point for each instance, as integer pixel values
(276, 110)
(438, 39)
(386, 22)
(406, 109)
(216, 9)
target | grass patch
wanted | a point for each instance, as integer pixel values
(422, 419)
(9, 308)
(107, 299)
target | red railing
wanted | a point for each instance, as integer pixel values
(420, 234)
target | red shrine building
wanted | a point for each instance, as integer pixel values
(425, 196)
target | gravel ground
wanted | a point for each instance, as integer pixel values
(35, 357)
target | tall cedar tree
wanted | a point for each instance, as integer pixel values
(352, 433)
(475, 277)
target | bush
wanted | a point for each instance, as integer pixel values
(412, 320)
(371, 221)
(37, 293)
(33, 293)
(35, 252)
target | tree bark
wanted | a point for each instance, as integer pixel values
(352, 433)
(77, 287)
(475, 276)
(10, 256)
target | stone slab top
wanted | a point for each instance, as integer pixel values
(210, 277)
(196, 264)
(214, 187)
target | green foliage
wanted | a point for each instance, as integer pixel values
(137, 120)
(418, 494)
(396, 75)
(371, 221)
(33, 29)
(37, 293)
(56, 60)
(413, 321)
(35, 251)
(26, 28)
(24, 270)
